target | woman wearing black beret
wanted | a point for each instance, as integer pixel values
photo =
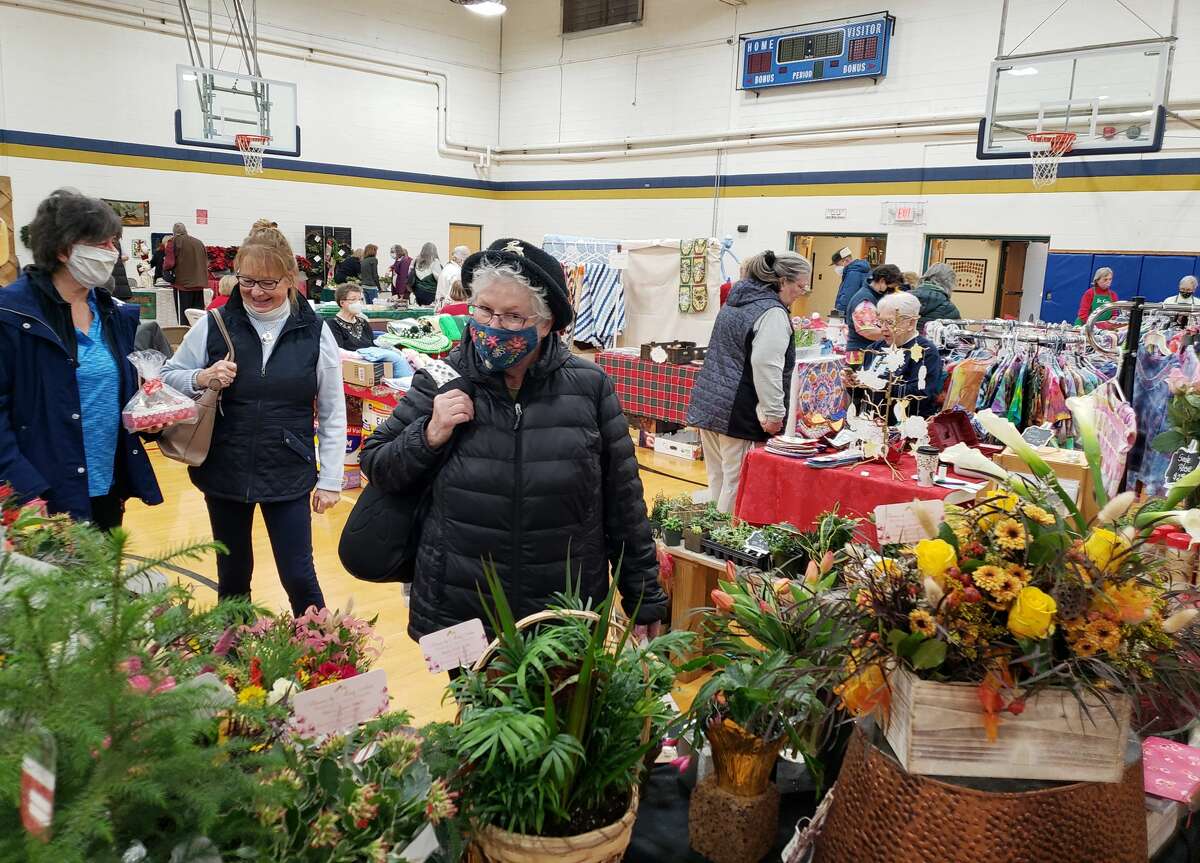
(527, 457)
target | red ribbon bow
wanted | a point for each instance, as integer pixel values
(152, 386)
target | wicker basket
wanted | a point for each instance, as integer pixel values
(604, 845)
(881, 814)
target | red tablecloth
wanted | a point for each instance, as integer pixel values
(660, 391)
(775, 488)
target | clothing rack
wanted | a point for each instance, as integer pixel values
(1030, 333)
(1137, 307)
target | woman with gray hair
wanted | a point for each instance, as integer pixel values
(1099, 295)
(919, 377)
(524, 456)
(934, 292)
(1187, 293)
(740, 395)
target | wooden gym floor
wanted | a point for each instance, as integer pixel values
(183, 518)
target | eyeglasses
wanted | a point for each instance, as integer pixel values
(894, 322)
(484, 315)
(264, 284)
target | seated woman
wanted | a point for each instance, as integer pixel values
(350, 329)
(224, 289)
(458, 304)
(919, 377)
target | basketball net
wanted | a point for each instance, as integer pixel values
(252, 147)
(1046, 149)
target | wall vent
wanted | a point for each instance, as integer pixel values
(581, 16)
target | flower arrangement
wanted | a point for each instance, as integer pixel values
(1019, 592)
(304, 265)
(270, 659)
(1183, 414)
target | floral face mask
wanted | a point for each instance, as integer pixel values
(502, 349)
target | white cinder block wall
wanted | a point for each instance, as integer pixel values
(63, 74)
(517, 82)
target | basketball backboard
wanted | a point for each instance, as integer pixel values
(1112, 98)
(216, 105)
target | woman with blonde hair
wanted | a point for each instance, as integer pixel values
(424, 275)
(262, 451)
(224, 292)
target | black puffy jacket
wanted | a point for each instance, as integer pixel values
(532, 484)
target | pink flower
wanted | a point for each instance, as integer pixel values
(141, 683)
(167, 684)
(681, 763)
(225, 642)
(132, 665)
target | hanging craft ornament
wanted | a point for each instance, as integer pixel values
(685, 276)
(693, 275)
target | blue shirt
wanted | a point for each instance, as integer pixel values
(99, 382)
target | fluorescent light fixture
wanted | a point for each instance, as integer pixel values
(1023, 71)
(488, 8)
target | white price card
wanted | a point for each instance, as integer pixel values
(908, 522)
(456, 646)
(335, 707)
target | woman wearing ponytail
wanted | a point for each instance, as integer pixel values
(262, 451)
(740, 395)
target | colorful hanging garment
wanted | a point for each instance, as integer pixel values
(601, 315)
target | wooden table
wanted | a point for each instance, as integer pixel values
(695, 578)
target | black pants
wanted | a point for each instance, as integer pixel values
(108, 511)
(289, 525)
(185, 300)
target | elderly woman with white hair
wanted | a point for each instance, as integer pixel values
(525, 459)
(1187, 293)
(919, 377)
(1099, 295)
(934, 292)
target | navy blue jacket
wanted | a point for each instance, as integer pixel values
(41, 435)
(854, 277)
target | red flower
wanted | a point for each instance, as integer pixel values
(256, 678)
(5, 491)
(10, 516)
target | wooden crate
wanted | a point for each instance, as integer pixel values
(937, 729)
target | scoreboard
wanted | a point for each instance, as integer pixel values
(808, 53)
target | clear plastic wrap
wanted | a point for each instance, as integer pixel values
(155, 404)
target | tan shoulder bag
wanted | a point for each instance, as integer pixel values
(189, 443)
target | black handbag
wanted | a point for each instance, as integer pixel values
(379, 542)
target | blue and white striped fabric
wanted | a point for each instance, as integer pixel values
(601, 310)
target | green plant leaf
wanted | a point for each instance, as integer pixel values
(1046, 547)
(930, 654)
(909, 645)
(1168, 441)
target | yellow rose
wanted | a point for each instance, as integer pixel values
(934, 557)
(1032, 615)
(1107, 550)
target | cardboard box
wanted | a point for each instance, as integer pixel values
(354, 439)
(352, 478)
(364, 373)
(374, 413)
(1071, 468)
(682, 444)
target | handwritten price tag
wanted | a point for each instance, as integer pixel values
(456, 646)
(908, 522)
(333, 708)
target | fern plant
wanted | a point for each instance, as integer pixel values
(136, 757)
(552, 734)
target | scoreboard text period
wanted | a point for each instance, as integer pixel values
(826, 51)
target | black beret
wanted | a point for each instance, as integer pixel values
(539, 266)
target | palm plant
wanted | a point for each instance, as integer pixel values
(553, 732)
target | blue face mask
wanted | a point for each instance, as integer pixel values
(502, 349)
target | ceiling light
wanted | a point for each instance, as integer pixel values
(489, 8)
(1022, 71)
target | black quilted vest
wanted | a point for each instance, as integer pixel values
(262, 447)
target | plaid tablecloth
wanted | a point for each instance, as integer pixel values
(660, 391)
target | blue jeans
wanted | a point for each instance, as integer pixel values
(289, 525)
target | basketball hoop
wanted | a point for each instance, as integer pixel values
(1046, 149)
(252, 147)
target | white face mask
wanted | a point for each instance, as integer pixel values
(354, 308)
(838, 269)
(91, 266)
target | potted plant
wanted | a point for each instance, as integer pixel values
(554, 724)
(1053, 630)
(672, 527)
(756, 618)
